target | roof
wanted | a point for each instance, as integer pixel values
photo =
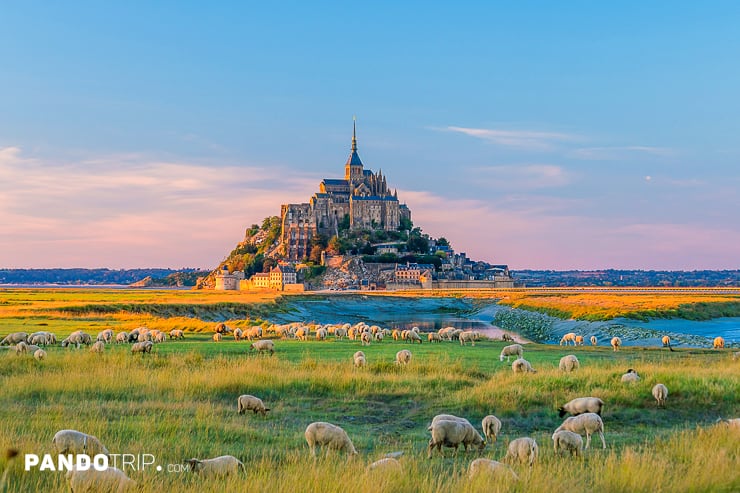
(388, 198)
(331, 181)
(354, 159)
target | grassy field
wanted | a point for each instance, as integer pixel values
(180, 402)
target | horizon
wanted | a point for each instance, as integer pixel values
(589, 137)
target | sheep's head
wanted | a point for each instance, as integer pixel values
(195, 464)
(562, 412)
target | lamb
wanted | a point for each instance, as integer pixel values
(121, 338)
(251, 403)
(582, 405)
(330, 436)
(142, 347)
(75, 442)
(359, 359)
(403, 357)
(263, 346)
(630, 376)
(491, 427)
(14, 338)
(365, 338)
(523, 449)
(616, 343)
(98, 347)
(386, 465)
(490, 467)
(586, 423)
(521, 365)
(217, 337)
(452, 433)
(569, 363)
(466, 336)
(514, 349)
(91, 480)
(216, 467)
(21, 348)
(39, 354)
(660, 392)
(719, 343)
(177, 334)
(594, 340)
(567, 441)
(569, 337)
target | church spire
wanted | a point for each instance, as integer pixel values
(354, 134)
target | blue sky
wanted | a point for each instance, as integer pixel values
(538, 134)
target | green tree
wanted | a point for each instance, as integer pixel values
(442, 241)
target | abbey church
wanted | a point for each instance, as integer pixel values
(362, 196)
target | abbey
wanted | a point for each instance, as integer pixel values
(362, 198)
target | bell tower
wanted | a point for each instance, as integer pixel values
(353, 171)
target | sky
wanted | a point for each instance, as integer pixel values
(542, 135)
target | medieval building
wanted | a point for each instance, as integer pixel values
(362, 199)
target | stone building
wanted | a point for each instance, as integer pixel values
(226, 281)
(362, 198)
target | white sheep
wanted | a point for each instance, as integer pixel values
(365, 338)
(379, 336)
(265, 345)
(594, 340)
(251, 403)
(340, 333)
(14, 338)
(105, 336)
(216, 467)
(467, 336)
(76, 442)
(37, 338)
(403, 357)
(585, 424)
(521, 365)
(582, 405)
(453, 433)
(177, 334)
(523, 450)
(448, 417)
(160, 337)
(359, 359)
(491, 428)
(434, 337)
(490, 467)
(569, 363)
(98, 347)
(142, 347)
(321, 335)
(77, 338)
(616, 343)
(579, 341)
(514, 349)
(630, 376)
(567, 441)
(718, 343)
(91, 480)
(329, 436)
(732, 423)
(660, 392)
(121, 338)
(39, 354)
(217, 337)
(386, 465)
(569, 337)
(21, 348)
(413, 336)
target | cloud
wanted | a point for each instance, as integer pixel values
(619, 153)
(520, 139)
(522, 176)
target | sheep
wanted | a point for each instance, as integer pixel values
(567, 441)
(455, 334)
(217, 337)
(523, 449)
(177, 334)
(21, 348)
(144, 336)
(594, 340)
(396, 334)
(359, 359)
(521, 365)
(32, 348)
(98, 347)
(403, 357)
(385, 465)
(447, 417)
(514, 349)
(321, 335)
(434, 337)
(75, 442)
(91, 480)
(133, 336)
(365, 338)
(630, 376)
(237, 334)
(569, 363)
(160, 337)
(121, 338)
(413, 336)
(216, 467)
(660, 392)
(569, 337)
(719, 343)
(37, 338)
(579, 341)
(582, 405)
(452, 433)
(491, 427)
(105, 336)
(251, 403)
(39, 354)
(14, 338)
(142, 347)
(466, 336)
(340, 333)
(77, 338)
(732, 423)
(586, 423)
(329, 436)
(222, 328)
(262, 346)
(490, 467)
(506, 337)
(616, 343)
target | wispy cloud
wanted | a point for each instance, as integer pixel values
(521, 139)
(522, 176)
(619, 152)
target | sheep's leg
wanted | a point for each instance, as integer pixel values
(603, 442)
(588, 439)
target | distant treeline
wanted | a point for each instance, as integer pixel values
(640, 278)
(96, 276)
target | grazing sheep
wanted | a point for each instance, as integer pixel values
(237, 334)
(569, 337)
(251, 403)
(413, 336)
(159, 337)
(39, 354)
(121, 338)
(98, 347)
(216, 467)
(569, 363)
(523, 450)
(594, 340)
(37, 338)
(616, 343)
(386, 465)
(396, 334)
(403, 357)
(585, 424)
(21, 348)
(106, 336)
(302, 333)
(452, 433)
(567, 441)
(265, 345)
(719, 343)
(217, 337)
(365, 338)
(329, 436)
(379, 336)
(490, 467)
(93, 481)
(630, 376)
(660, 392)
(76, 442)
(359, 359)
(133, 336)
(507, 337)
(77, 338)
(340, 333)
(144, 336)
(321, 335)
(222, 328)
(514, 349)
(466, 336)
(434, 337)
(491, 427)
(732, 423)
(579, 340)
(582, 405)
(142, 347)
(447, 417)
(177, 334)
(14, 338)
(521, 365)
